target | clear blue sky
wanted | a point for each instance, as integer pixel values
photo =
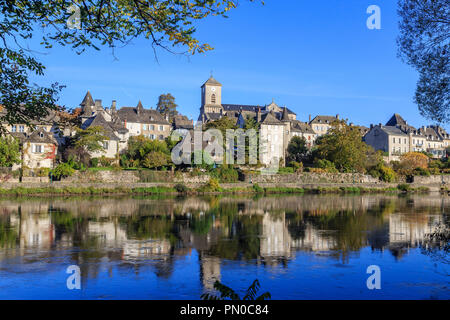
(316, 57)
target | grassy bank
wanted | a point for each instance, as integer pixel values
(180, 189)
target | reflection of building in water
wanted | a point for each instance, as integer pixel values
(209, 271)
(411, 230)
(315, 240)
(36, 230)
(141, 249)
(275, 239)
(107, 232)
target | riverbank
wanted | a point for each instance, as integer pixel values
(177, 189)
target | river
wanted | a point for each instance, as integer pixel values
(298, 247)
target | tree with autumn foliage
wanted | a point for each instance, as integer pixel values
(411, 161)
(166, 24)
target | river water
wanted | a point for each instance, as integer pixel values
(298, 247)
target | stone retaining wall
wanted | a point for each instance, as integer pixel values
(311, 178)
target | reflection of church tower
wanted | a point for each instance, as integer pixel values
(209, 271)
(211, 98)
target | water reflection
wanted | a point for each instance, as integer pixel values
(271, 231)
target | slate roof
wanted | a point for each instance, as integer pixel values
(130, 114)
(87, 101)
(392, 130)
(41, 136)
(99, 121)
(323, 119)
(212, 81)
(182, 122)
(270, 118)
(301, 127)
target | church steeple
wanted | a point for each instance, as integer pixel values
(211, 96)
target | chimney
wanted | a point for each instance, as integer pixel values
(371, 126)
(113, 106)
(98, 103)
(337, 116)
(309, 118)
(258, 115)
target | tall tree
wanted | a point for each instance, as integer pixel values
(344, 147)
(297, 149)
(167, 24)
(9, 151)
(424, 44)
(167, 106)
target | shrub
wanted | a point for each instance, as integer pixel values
(258, 189)
(212, 186)
(404, 187)
(387, 174)
(422, 172)
(325, 164)
(94, 162)
(181, 188)
(286, 170)
(63, 170)
(105, 162)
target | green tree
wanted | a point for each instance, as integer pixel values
(344, 147)
(167, 106)
(85, 142)
(139, 149)
(167, 24)
(9, 151)
(297, 149)
(424, 44)
(156, 159)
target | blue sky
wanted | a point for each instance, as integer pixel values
(315, 57)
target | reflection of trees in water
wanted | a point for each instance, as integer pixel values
(270, 230)
(437, 243)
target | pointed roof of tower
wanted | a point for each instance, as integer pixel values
(212, 81)
(285, 116)
(87, 101)
(396, 120)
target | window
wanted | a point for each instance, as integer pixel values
(21, 128)
(37, 148)
(405, 140)
(152, 127)
(144, 127)
(14, 128)
(161, 137)
(393, 140)
(213, 98)
(161, 128)
(105, 145)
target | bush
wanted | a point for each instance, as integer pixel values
(422, 172)
(326, 165)
(298, 166)
(225, 174)
(181, 188)
(106, 162)
(212, 186)
(404, 187)
(286, 170)
(258, 189)
(63, 170)
(94, 162)
(387, 174)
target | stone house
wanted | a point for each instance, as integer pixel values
(39, 149)
(140, 121)
(398, 137)
(321, 124)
